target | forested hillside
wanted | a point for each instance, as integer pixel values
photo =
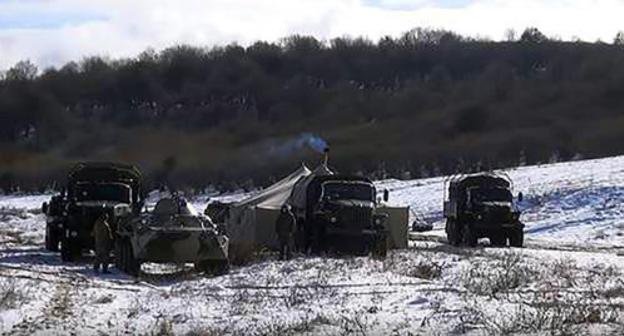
(424, 103)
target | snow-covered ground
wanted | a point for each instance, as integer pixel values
(567, 280)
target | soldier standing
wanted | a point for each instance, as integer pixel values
(285, 227)
(103, 236)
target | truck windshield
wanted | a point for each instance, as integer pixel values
(491, 195)
(114, 192)
(348, 190)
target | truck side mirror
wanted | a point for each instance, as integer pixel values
(386, 195)
(520, 197)
(44, 207)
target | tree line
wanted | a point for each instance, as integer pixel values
(424, 103)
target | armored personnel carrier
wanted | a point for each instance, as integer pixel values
(482, 205)
(174, 232)
(92, 189)
(339, 213)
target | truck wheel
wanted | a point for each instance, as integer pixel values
(362, 248)
(469, 238)
(203, 266)
(498, 240)
(220, 267)
(452, 232)
(68, 251)
(380, 248)
(51, 240)
(516, 238)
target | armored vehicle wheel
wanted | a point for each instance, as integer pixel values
(469, 237)
(51, 240)
(69, 252)
(516, 238)
(498, 240)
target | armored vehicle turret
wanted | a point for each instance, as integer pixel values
(482, 205)
(174, 232)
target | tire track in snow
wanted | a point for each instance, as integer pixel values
(531, 244)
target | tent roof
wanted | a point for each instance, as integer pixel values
(276, 195)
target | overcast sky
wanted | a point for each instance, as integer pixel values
(52, 32)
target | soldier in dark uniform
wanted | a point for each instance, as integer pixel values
(285, 229)
(103, 236)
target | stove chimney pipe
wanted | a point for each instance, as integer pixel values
(325, 156)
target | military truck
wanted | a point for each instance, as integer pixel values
(482, 205)
(55, 212)
(92, 189)
(174, 232)
(339, 213)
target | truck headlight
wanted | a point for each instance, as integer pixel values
(333, 219)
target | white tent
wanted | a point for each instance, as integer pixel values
(251, 222)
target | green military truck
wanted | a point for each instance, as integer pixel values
(92, 189)
(482, 205)
(339, 213)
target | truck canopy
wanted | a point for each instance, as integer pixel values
(307, 190)
(490, 181)
(104, 173)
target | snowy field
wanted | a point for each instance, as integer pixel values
(568, 280)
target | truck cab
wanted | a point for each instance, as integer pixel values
(340, 214)
(93, 189)
(482, 205)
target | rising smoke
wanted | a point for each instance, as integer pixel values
(310, 140)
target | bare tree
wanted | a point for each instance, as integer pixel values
(511, 35)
